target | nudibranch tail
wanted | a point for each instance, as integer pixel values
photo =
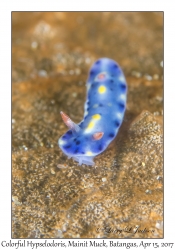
(84, 160)
(71, 125)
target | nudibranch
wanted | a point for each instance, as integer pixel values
(103, 113)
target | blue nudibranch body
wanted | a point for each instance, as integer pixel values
(104, 112)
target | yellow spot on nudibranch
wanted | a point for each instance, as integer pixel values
(102, 89)
(89, 153)
(96, 116)
(90, 125)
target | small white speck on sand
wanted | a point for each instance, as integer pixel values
(77, 71)
(148, 77)
(42, 73)
(34, 45)
(61, 166)
(52, 171)
(87, 60)
(104, 179)
(136, 74)
(74, 94)
(159, 225)
(155, 76)
(148, 191)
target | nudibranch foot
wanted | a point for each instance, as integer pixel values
(84, 160)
